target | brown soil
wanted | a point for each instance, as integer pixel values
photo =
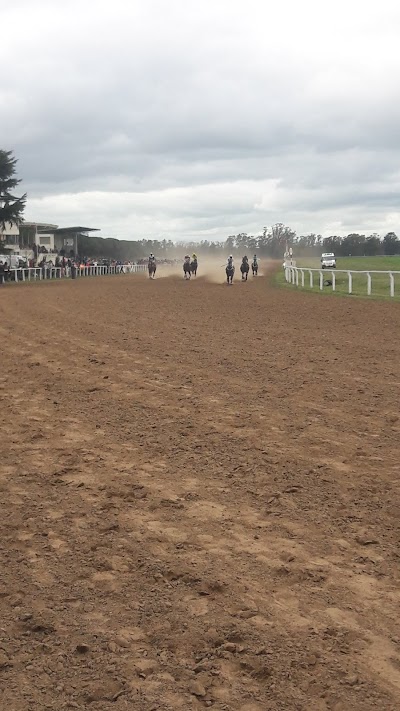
(199, 498)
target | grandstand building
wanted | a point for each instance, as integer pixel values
(42, 236)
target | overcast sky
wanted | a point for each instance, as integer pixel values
(199, 119)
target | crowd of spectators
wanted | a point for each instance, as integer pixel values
(12, 269)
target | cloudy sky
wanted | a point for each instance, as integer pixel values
(189, 119)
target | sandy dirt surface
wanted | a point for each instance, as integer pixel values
(199, 498)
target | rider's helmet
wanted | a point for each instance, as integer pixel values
(230, 256)
(151, 256)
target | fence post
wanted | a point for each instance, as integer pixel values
(369, 284)
(333, 281)
(350, 276)
(321, 280)
(391, 279)
(16, 275)
(302, 277)
(23, 275)
(311, 279)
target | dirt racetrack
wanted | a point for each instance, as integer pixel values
(199, 498)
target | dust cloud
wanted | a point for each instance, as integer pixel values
(211, 270)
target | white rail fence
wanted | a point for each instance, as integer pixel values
(42, 273)
(328, 278)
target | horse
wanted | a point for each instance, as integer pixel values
(193, 267)
(244, 268)
(254, 268)
(187, 272)
(152, 267)
(230, 271)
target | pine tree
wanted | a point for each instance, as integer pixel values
(11, 207)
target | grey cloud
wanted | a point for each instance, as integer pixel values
(178, 118)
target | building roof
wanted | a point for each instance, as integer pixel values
(41, 226)
(62, 230)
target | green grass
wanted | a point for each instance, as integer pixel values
(356, 263)
(380, 282)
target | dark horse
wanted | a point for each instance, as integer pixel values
(244, 268)
(187, 272)
(229, 274)
(152, 270)
(254, 268)
(193, 267)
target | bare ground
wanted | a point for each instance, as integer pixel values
(199, 498)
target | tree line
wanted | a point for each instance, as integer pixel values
(123, 250)
(272, 243)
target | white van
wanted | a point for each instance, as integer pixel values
(328, 260)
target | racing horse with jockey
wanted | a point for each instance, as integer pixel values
(187, 272)
(254, 265)
(244, 268)
(152, 266)
(230, 270)
(194, 264)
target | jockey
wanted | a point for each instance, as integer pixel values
(187, 259)
(245, 260)
(230, 262)
(255, 263)
(152, 259)
(194, 257)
